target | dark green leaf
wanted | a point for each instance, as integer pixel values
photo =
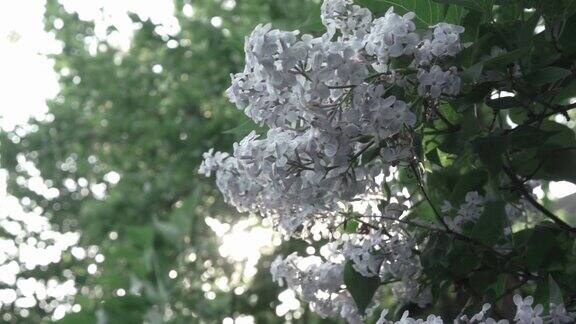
(528, 137)
(471, 23)
(555, 292)
(433, 157)
(541, 243)
(472, 74)
(542, 293)
(559, 164)
(564, 94)
(481, 280)
(502, 103)
(507, 58)
(490, 226)
(82, 317)
(567, 40)
(490, 150)
(361, 288)
(518, 115)
(481, 6)
(471, 181)
(500, 285)
(127, 309)
(462, 259)
(427, 12)
(434, 258)
(168, 231)
(547, 75)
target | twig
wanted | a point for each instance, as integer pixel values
(457, 235)
(520, 187)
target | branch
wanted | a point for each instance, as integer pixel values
(448, 230)
(423, 190)
(556, 110)
(520, 186)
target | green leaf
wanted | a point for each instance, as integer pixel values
(481, 6)
(499, 286)
(471, 23)
(507, 58)
(361, 288)
(471, 181)
(434, 258)
(559, 164)
(451, 143)
(351, 226)
(490, 226)
(542, 293)
(427, 12)
(564, 137)
(446, 159)
(245, 128)
(528, 137)
(434, 157)
(490, 150)
(140, 236)
(518, 115)
(547, 75)
(567, 40)
(448, 111)
(169, 231)
(463, 260)
(82, 317)
(126, 309)
(371, 154)
(472, 97)
(502, 103)
(538, 248)
(555, 292)
(481, 280)
(472, 74)
(565, 93)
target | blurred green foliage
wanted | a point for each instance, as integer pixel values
(115, 114)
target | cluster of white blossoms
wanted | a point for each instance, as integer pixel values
(339, 113)
(525, 314)
(469, 212)
(328, 105)
(318, 281)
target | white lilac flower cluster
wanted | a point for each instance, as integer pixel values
(319, 282)
(391, 257)
(327, 105)
(525, 314)
(468, 213)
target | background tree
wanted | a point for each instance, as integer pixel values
(144, 117)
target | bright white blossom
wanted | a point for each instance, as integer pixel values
(435, 82)
(559, 314)
(468, 213)
(344, 16)
(391, 36)
(446, 40)
(525, 313)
